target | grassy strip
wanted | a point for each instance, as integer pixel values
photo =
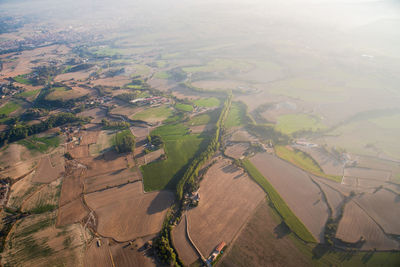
(41, 144)
(9, 107)
(184, 107)
(236, 115)
(22, 79)
(157, 112)
(303, 161)
(207, 102)
(206, 118)
(27, 94)
(288, 216)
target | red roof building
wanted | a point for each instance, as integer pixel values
(220, 246)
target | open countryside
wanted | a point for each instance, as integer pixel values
(199, 133)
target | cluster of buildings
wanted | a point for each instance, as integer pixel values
(43, 37)
(98, 100)
(8, 89)
(155, 100)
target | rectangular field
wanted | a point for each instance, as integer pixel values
(227, 199)
(180, 147)
(125, 212)
(296, 188)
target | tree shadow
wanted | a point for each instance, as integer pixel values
(282, 230)
(229, 169)
(367, 256)
(320, 250)
(161, 202)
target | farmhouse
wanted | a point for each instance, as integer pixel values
(218, 250)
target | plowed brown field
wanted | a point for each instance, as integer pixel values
(295, 186)
(228, 198)
(125, 213)
(356, 223)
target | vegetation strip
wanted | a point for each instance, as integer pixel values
(279, 204)
(163, 244)
(304, 162)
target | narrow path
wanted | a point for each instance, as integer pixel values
(191, 241)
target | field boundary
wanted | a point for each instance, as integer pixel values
(294, 223)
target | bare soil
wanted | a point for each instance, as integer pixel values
(264, 242)
(384, 207)
(46, 172)
(186, 252)
(295, 186)
(115, 178)
(228, 198)
(98, 256)
(356, 223)
(236, 150)
(72, 212)
(125, 212)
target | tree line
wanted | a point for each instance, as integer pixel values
(20, 131)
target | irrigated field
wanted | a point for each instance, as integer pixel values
(291, 123)
(227, 199)
(180, 147)
(297, 189)
(125, 212)
(153, 115)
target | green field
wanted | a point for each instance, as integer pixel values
(236, 115)
(41, 144)
(208, 102)
(311, 90)
(61, 93)
(206, 118)
(219, 64)
(303, 161)
(162, 75)
(288, 216)
(291, 123)
(22, 79)
(9, 107)
(27, 94)
(161, 112)
(184, 107)
(180, 148)
(387, 122)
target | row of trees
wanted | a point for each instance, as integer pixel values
(188, 182)
(163, 246)
(20, 131)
